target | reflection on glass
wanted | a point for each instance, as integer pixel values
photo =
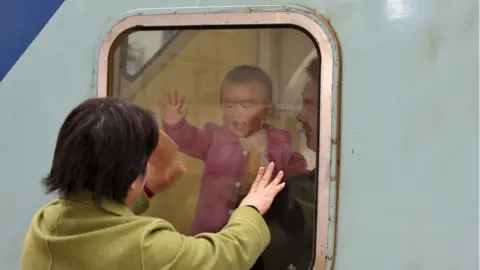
(142, 46)
(233, 84)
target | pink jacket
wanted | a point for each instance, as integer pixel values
(225, 161)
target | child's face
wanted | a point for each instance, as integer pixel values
(244, 108)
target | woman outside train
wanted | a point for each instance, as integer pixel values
(100, 166)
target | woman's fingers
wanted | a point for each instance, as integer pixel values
(264, 181)
(260, 173)
(180, 167)
(277, 180)
(263, 191)
(276, 189)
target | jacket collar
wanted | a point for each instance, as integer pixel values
(113, 207)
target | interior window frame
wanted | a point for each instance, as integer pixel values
(124, 48)
(325, 41)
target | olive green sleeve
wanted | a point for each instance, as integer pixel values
(140, 205)
(235, 247)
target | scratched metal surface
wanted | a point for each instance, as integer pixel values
(408, 193)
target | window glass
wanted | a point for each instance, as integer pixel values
(244, 92)
(141, 46)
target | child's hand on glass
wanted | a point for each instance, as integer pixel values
(171, 108)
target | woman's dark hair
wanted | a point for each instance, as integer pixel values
(104, 144)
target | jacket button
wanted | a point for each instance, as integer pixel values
(230, 212)
(245, 152)
(237, 184)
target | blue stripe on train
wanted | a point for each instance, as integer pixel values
(21, 21)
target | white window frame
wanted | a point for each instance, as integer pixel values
(328, 48)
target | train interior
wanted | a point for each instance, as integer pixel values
(147, 63)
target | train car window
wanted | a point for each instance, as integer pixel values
(234, 99)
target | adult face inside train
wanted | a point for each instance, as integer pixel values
(302, 186)
(308, 115)
(294, 208)
(101, 166)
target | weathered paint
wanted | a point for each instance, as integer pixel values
(408, 180)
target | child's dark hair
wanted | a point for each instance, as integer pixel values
(248, 73)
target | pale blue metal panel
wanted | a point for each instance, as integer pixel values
(409, 147)
(21, 31)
